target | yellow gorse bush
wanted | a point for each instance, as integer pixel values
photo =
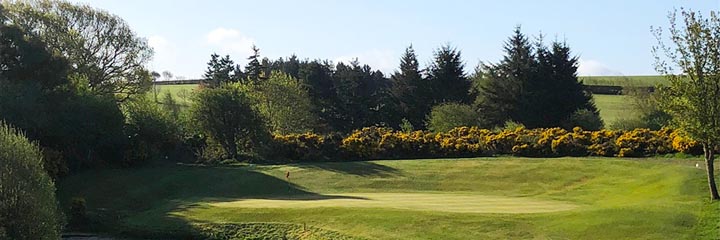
(386, 143)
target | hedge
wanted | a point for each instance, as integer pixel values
(385, 143)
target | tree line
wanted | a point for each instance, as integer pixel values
(534, 85)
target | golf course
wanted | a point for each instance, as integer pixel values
(479, 198)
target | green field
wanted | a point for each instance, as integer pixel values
(496, 198)
(181, 92)
(633, 81)
(615, 107)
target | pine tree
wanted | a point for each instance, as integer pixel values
(501, 97)
(410, 96)
(254, 69)
(446, 76)
(219, 71)
(535, 86)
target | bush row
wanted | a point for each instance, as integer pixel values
(385, 143)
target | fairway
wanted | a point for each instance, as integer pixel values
(458, 203)
(482, 198)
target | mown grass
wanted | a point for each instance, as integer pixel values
(617, 199)
(632, 81)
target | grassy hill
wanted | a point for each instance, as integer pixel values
(496, 198)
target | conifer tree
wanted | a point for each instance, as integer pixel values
(447, 78)
(410, 96)
(219, 71)
(254, 69)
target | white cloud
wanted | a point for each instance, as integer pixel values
(595, 68)
(383, 60)
(230, 41)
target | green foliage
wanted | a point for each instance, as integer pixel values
(446, 77)
(410, 93)
(406, 126)
(254, 70)
(28, 209)
(284, 103)
(536, 86)
(77, 214)
(100, 46)
(152, 132)
(220, 71)
(360, 97)
(226, 115)
(585, 119)
(691, 97)
(447, 116)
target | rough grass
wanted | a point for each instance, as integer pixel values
(610, 198)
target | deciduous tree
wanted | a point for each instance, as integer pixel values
(690, 60)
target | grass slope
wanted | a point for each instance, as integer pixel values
(605, 198)
(615, 107)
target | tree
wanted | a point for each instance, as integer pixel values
(226, 115)
(535, 86)
(446, 77)
(28, 209)
(285, 104)
(219, 71)
(447, 116)
(690, 61)
(254, 69)
(101, 47)
(409, 92)
(500, 86)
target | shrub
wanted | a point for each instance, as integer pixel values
(585, 119)
(28, 207)
(77, 213)
(447, 116)
(152, 132)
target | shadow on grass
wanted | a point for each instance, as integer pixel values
(360, 168)
(144, 203)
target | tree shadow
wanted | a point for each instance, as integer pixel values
(359, 168)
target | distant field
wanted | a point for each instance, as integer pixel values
(614, 107)
(181, 92)
(482, 198)
(634, 81)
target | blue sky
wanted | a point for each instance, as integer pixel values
(610, 37)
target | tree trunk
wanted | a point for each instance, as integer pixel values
(709, 163)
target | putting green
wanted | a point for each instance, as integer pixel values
(459, 203)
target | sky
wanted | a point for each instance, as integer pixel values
(610, 37)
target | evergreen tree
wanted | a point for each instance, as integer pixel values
(501, 85)
(535, 86)
(219, 71)
(410, 96)
(254, 69)
(446, 76)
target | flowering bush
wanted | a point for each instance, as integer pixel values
(386, 143)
